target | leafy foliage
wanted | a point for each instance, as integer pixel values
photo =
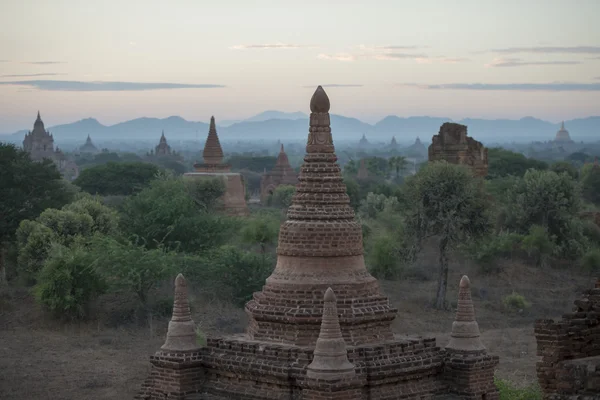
(116, 178)
(68, 282)
(282, 196)
(591, 185)
(510, 392)
(505, 162)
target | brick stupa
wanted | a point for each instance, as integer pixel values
(281, 174)
(321, 328)
(234, 199)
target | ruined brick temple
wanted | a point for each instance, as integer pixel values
(234, 199)
(321, 327)
(453, 145)
(570, 351)
(281, 174)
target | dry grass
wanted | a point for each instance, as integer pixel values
(42, 359)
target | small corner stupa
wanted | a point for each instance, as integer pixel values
(466, 358)
(321, 328)
(281, 174)
(234, 199)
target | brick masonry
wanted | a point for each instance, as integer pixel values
(454, 146)
(570, 351)
(320, 252)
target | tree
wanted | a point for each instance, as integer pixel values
(551, 201)
(565, 167)
(448, 202)
(398, 164)
(282, 196)
(261, 230)
(28, 188)
(79, 219)
(177, 213)
(116, 178)
(68, 281)
(591, 185)
(505, 162)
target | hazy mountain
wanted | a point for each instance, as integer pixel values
(291, 128)
(265, 116)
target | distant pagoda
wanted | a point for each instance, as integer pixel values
(39, 143)
(234, 199)
(562, 136)
(162, 149)
(281, 174)
(88, 147)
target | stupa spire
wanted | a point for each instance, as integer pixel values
(181, 335)
(320, 246)
(465, 330)
(213, 153)
(330, 358)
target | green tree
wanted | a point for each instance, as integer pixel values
(81, 218)
(28, 188)
(566, 167)
(282, 196)
(591, 185)
(448, 202)
(177, 213)
(351, 168)
(262, 230)
(398, 164)
(68, 281)
(505, 162)
(551, 201)
(116, 178)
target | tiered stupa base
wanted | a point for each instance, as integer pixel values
(239, 368)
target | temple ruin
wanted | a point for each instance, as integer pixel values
(234, 199)
(321, 327)
(163, 148)
(281, 174)
(570, 351)
(454, 146)
(363, 171)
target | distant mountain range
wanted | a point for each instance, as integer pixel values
(277, 125)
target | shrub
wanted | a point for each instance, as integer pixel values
(384, 260)
(510, 392)
(68, 282)
(491, 248)
(515, 302)
(538, 244)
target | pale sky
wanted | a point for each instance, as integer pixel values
(536, 58)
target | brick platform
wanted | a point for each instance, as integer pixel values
(321, 328)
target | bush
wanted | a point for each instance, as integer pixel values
(68, 282)
(491, 248)
(515, 302)
(384, 260)
(538, 244)
(591, 261)
(510, 392)
(282, 196)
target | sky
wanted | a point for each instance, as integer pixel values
(119, 60)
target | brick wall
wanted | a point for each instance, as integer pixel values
(570, 349)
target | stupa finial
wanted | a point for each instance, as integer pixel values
(319, 102)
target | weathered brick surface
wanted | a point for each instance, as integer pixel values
(570, 350)
(454, 146)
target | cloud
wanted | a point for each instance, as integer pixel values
(334, 85)
(345, 57)
(43, 62)
(1, 61)
(76, 86)
(389, 53)
(517, 62)
(551, 50)
(30, 75)
(597, 78)
(546, 87)
(272, 46)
